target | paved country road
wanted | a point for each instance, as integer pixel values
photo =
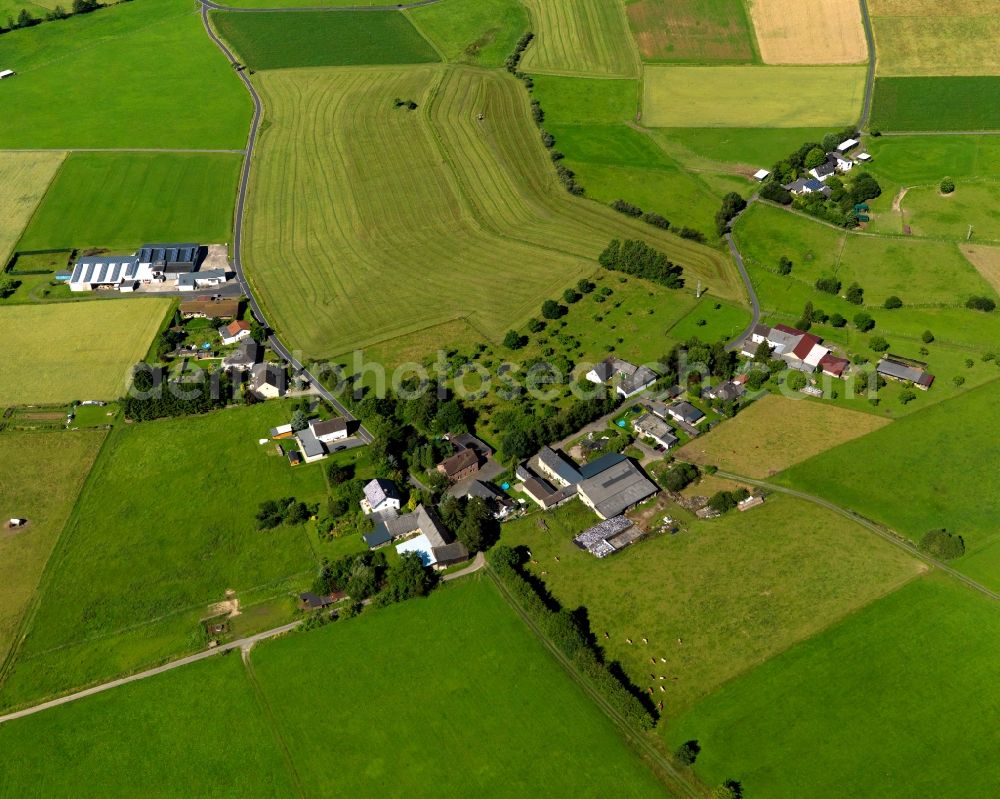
(241, 197)
(242, 643)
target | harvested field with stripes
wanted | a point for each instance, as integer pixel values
(417, 218)
(581, 37)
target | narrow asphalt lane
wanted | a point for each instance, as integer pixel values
(242, 643)
(866, 106)
(241, 198)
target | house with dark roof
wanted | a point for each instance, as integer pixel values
(650, 426)
(381, 496)
(268, 380)
(558, 467)
(616, 489)
(905, 371)
(247, 355)
(601, 373)
(462, 441)
(684, 411)
(329, 430)
(189, 281)
(310, 601)
(833, 366)
(729, 391)
(425, 535)
(642, 378)
(462, 464)
(497, 501)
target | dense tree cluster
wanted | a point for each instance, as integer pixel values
(275, 512)
(572, 636)
(472, 522)
(679, 476)
(634, 257)
(981, 304)
(942, 545)
(525, 430)
(732, 204)
(153, 396)
(725, 501)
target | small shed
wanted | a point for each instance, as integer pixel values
(864, 157)
(761, 174)
(7, 73)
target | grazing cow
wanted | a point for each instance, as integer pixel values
(645, 640)
(628, 640)
(606, 634)
(663, 660)
(662, 689)
(652, 660)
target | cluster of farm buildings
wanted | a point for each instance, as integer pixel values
(167, 266)
(837, 162)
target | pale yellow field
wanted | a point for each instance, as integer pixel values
(788, 33)
(24, 178)
(77, 350)
(986, 260)
(954, 37)
(777, 432)
(752, 96)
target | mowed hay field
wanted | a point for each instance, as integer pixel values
(861, 710)
(196, 731)
(936, 103)
(736, 590)
(317, 38)
(74, 351)
(412, 219)
(122, 200)
(695, 31)
(143, 561)
(439, 673)
(924, 37)
(42, 476)
(775, 433)
(24, 179)
(787, 31)
(751, 96)
(580, 37)
(142, 75)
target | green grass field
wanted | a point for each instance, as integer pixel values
(691, 31)
(480, 680)
(940, 103)
(747, 148)
(941, 451)
(913, 160)
(133, 198)
(486, 232)
(927, 212)
(751, 96)
(736, 590)
(864, 708)
(117, 98)
(24, 179)
(318, 38)
(474, 31)
(182, 534)
(580, 37)
(80, 350)
(43, 473)
(197, 731)
(217, 728)
(775, 433)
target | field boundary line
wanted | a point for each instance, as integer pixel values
(68, 150)
(878, 529)
(272, 723)
(632, 736)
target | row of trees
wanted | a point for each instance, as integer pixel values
(25, 19)
(650, 218)
(634, 257)
(275, 512)
(572, 636)
(732, 205)
(367, 575)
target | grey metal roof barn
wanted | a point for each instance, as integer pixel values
(617, 489)
(170, 257)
